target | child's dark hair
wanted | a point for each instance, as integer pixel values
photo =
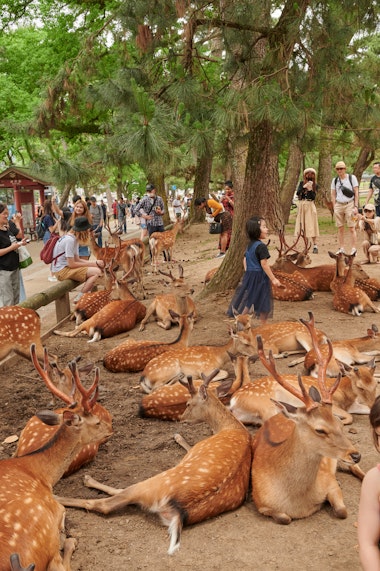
(374, 419)
(253, 229)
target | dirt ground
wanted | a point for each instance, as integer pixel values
(140, 448)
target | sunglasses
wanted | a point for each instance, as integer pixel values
(341, 169)
(366, 210)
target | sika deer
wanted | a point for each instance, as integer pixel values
(169, 401)
(31, 520)
(348, 298)
(132, 356)
(19, 328)
(164, 242)
(254, 402)
(116, 317)
(349, 352)
(161, 308)
(295, 452)
(280, 338)
(79, 400)
(189, 361)
(211, 479)
(293, 287)
(92, 302)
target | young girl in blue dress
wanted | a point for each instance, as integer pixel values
(255, 288)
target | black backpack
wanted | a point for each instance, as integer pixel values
(40, 229)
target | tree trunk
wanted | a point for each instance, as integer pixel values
(325, 167)
(291, 177)
(366, 156)
(259, 195)
(201, 185)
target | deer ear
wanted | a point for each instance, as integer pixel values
(314, 393)
(286, 409)
(174, 315)
(49, 417)
(223, 388)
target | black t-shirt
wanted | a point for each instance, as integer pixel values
(10, 261)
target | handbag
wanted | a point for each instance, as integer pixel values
(347, 192)
(215, 228)
(25, 259)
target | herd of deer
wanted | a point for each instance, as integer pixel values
(300, 418)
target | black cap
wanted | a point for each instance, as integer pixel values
(150, 187)
(229, 183)
(81, 224)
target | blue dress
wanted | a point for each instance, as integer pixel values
(255, 288)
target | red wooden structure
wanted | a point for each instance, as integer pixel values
(17, 186)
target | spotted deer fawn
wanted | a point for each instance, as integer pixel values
(211, 479)
(169, 401)
(164, 242)
(26, 490)
(79, 400)
(132, 356)
(295, 452)
(161, 308)
(347, 297)
(116, 317)
(19, 328)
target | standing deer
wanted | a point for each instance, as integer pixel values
(132, 356)
(19, 328)
(164, 242)
(116, 317)
(79, 400)
(211, 479)
(347, 297)
(295, 452)
(31, 520)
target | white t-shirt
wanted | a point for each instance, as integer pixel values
(68, 247)
(177, 206)
(340, 197)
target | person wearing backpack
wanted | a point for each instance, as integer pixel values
(68, 265)
(374, 187)
(345, 201)
(96, 213)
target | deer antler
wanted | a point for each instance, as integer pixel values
(43, 372)
(90, 396)
(269, 364)
(323, 361)
(168, 275)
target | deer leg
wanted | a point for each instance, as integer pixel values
(182, 442)
(279, 517)
(344, 416)
(165, 323)
(69, 547)
(91, 483)
(335, 498)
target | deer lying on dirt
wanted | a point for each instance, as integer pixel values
(254, 402)
(347, 351)
(188, 361)
(161, 308)
(116, 317)
(132, 356)
(164, 242)
(31, 520)
(280, 338)
(295, 452)
(92, 302)
(169, 401)
(19, 328)
(79, 400)
(211, 479)
(174, 281)
(347, 297)
(293, 287)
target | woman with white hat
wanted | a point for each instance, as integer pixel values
(370, 224)
(307, 217)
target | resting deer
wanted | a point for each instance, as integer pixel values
(164, 242)
(280, 338)
(132, 356)
(19, 328)
(174, 281)
(188, 361)
(254, 402)
(116, 317)
(79, 400)
(347, 351)
(211, 479)
(295, 452)
(92, 302)
(31, 520)
(169, 401)
(347, 297)
(162, 307)
(293, 287)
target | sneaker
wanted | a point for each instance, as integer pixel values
(221, 255)
(52, 279)
(315, 249)
(340, 251)
(353, 251)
